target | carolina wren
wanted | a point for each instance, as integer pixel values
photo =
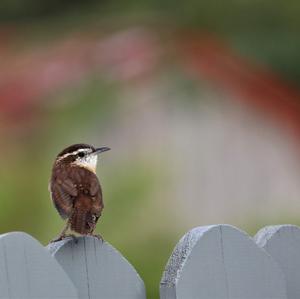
(75, 189)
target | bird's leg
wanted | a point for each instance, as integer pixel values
(62, 235)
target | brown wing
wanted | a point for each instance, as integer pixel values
(68, 185)
(88, 204)
(63, 191)
(92, 189)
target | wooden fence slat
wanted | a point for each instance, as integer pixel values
(282, 242)
(218, 262)
(97, 269)
(27, 270)
(211, 262)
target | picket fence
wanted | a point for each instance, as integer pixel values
(211, 262)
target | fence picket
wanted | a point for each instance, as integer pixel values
(27, 270)
(218, 262)
(282, 242)
(211, 262)
(97, 269)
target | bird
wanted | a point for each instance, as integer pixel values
(75, 189)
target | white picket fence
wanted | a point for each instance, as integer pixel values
(211, 262)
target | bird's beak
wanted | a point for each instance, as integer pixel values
(101, 150)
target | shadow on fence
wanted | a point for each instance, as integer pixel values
(211, 262)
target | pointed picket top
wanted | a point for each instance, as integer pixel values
(27, 270)
(97, 269)
(282, 242)
(220, 261)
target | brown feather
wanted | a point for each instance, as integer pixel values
(76, 194)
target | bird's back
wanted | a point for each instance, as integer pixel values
(76, 194)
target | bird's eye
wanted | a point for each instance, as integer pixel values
(81, 154)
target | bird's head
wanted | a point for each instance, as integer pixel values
(83, 155)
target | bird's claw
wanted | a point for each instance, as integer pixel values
(61, 237)
(98, 236)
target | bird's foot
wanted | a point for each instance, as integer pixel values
(63, 236)
(59, 238)
(98, 236)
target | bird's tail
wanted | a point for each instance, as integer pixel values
(79, 222)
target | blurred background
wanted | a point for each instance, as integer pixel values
(199, 101)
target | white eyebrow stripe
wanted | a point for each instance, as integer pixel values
(75, 153)
(82, 150)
